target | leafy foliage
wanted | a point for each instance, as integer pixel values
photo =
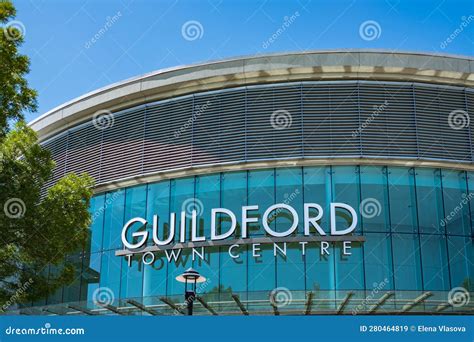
(15, 96)
(38, 227)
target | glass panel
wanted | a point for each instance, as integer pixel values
(208, 268)
(71, 291)
(90, 275)
(233, 197)
(317, 189)
(57, 296)
(154, 276)
(402, 200)
(135, 206)
(207, 198)
(345, 185)
(182, 199)
(456, 203)
(349, 268)
(114, 219)
(261, 192)
(233, 270)
(158, 204)
(320, 268)
(461, 256)
(131, 276)
(429, 199)
(110, 272)
(261, 268)
(406, 262)
(374, 204)
(378, 261)
(290, 268)
(54, 298)
(435, 262)
(470, 184)
(288, 191)
(97, 211)
(176, 268)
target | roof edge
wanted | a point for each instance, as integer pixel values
(237, 65)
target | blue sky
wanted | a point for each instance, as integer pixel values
(134, 37)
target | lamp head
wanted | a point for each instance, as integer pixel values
(191, 275)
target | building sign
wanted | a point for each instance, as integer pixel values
(147, 243)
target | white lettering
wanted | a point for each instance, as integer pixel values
(276, 207)
(348, 230)
(233, 256)
(324, 247)
(222, 236)
(200, 255)
(170, 238)
(194, 236)
(346, 246)
(143, 234)
(276, 248)
(150, 261)
(246, 219)
(173, 254)
(312, 220)
(255, 249)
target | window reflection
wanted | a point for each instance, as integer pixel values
(435, 262)
(410, 245)
(406, 262)
(402, 200)
(456, 203)
(429, 200)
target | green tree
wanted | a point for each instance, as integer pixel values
(38, 226)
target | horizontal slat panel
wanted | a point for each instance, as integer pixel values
(295, 120)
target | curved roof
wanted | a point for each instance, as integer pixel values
(282, 67)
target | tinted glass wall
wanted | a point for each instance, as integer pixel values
(417, 225)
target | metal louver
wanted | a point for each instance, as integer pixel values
(265, 122)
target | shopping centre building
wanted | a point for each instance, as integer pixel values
(333, 182)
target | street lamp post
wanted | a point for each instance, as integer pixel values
(190, 278)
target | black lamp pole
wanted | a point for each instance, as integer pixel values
(190, 295)
(190, 278)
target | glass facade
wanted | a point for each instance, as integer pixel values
(418, 235)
